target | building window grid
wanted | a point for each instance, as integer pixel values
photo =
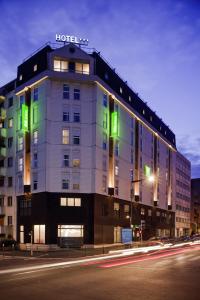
(76, 94)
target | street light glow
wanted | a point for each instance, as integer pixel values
(151, 178)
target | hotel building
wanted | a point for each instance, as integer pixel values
(77, 146)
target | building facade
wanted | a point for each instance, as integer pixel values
(183, 195)
(77, 144)
(195, 205)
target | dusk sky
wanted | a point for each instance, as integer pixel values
(154, 45)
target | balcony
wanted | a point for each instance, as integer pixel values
(2, 211)
(3, 133)
(2, 114)
(2, 172)
(2, 99)
(2, 152)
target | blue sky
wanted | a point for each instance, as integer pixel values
(154, 45)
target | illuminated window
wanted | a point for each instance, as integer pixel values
(20, 164)
(149, 212)
(121, 90)
(21, 234)
(20, 143)
(35, 137)
(70, 201)
(76, 162)
(142, 211)
(129, 98)
(60, 65)
(39, 234)
(65, 136)
(10, 123)
(76, 186)
(20, 77)
(126, 208)
(116, 168)
(82, 68)
(76, 94)
(35, 94)
(116, 187)
(35, 68)
(65, 91)
(116, 148)
(72, 231)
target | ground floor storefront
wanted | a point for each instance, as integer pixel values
(89, 219)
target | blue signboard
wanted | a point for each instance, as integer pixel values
(126, 235)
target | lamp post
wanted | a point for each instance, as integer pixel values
(150, 178)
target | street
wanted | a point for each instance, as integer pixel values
(165, 274)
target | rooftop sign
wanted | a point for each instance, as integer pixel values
(71, 39)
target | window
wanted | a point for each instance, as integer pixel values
(20, 164)
(82, 68)
(10, 162)
(65, 136)
(35, 68)
(76, 94)
(65, 184)
(76, 117)
(105, 100)
(66, 160)
(121, 90)
(105, 120)
(116, 148)
(21, 100)
(65, 91)
(10, 123)
(10, 181)
(35, 160)
(104, 163)
(129, 98)
(10, 220)
(72, 66)
(158, 213)
(70, 231)
(1, 202)
(116, 209)
(21, 234)
(35, 184)
(20, 77)
(35, 94)
(116, 187)
(35, 114)
(9, 203)
(104, 184)
(142, 211)
(116, 168)
(104, 145)
(126, 210)
(76, 186)
(65, 116)
(76, 139)
(20, 143)
(10, 101)
(60, 65)
(76, 162)
(39, 234)
(70, 201)
(35, 137)
(19, 183)
(149, 212)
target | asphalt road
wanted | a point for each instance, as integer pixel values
(166, 274)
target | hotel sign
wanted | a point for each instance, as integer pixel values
(71, 39)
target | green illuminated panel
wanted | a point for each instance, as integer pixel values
(24, 117)
(147, 171)
(114, 124)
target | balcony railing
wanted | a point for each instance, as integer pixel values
(2, 114)
(71, 71)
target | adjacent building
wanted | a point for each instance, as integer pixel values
(77, 146)
(195, 205)
(183, 195)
